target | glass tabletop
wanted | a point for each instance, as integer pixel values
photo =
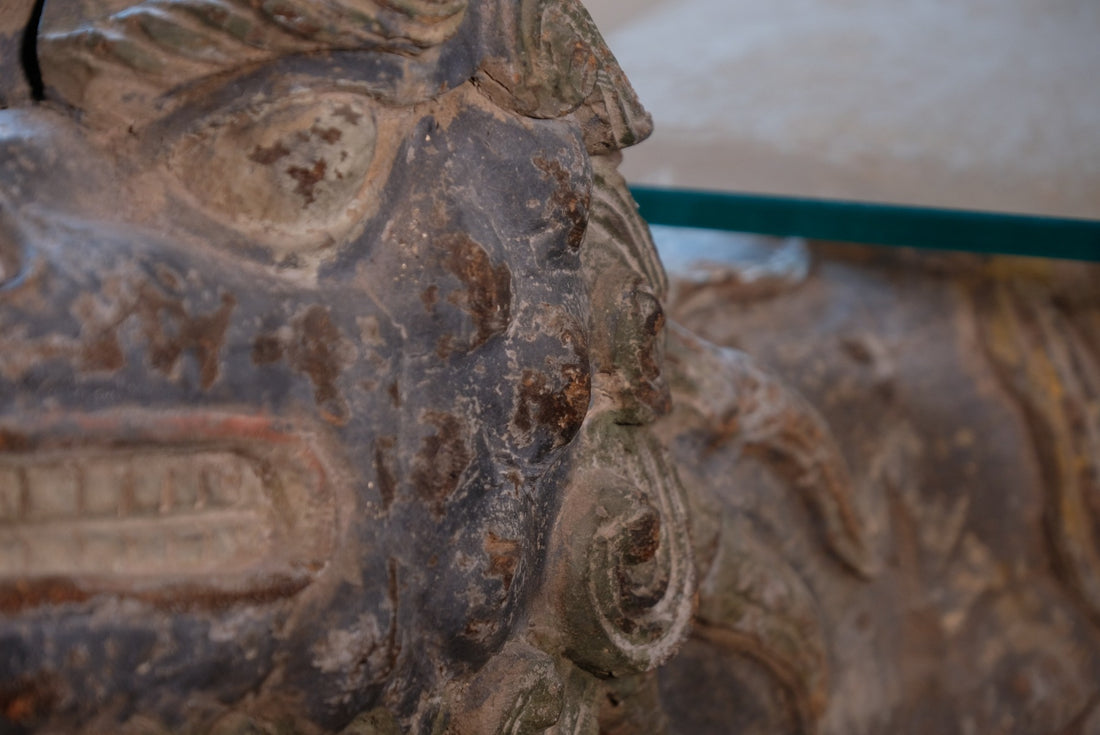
(956, 125)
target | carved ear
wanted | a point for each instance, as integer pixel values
(548, 60)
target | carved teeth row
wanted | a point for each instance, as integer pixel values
(156, 514)
(223, 543)
(40, 490)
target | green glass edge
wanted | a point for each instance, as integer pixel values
(879, 224)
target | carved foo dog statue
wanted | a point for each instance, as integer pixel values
(336, 392)
(307, 412)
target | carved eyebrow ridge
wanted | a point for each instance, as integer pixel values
(154, 47)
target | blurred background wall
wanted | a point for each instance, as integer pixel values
(977, 104)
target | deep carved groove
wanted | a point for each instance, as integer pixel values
(28, 53)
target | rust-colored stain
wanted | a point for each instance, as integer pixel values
(638, 350)
(23, 594)
(307, 179)
(566, 199)
(11, 441)
(171, 331)
(317, 348)
(562, 411)
(348, 114)
(445, 346)
(27, 699)
(643, 538)
(102, 351)
(638, 544)
(329, 135)
(395, 394)
(385, 469)
(504, 556)
(442, 458)
(29, 594)
(270, 154)
(430, 296)
(167, 326)
(215, 426)
(488, 294)
(267, 349)
(316, 351)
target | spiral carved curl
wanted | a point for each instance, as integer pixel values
(624, 575)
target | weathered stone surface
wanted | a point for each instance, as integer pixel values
(955, 399)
